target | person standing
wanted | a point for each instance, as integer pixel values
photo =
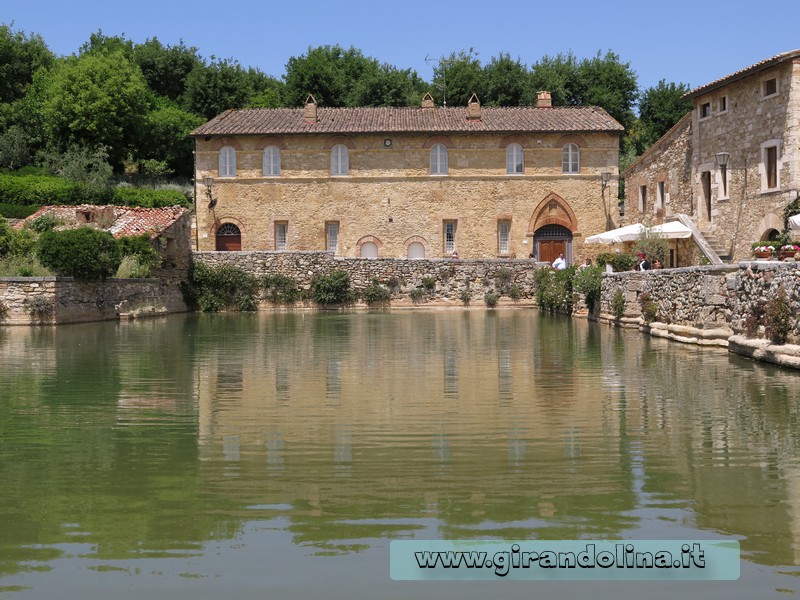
(644, 264)
(560, 263)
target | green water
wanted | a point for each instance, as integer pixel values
(276, 455)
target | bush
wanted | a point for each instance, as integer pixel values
(332, 289)
(429, 283)
(465, 297)
(514, 292)
(554, 289)
(618, 304)
(281, 289)
(6, 237)
(44, 223)
(223, 286)
(778, 318)
(491, 298)
(22, 266)
(587, 282)
(16, 211)
(753, 320)
(139, 246)
(649, 307)
(132, 268)
(619, 261)
(148, 197)
(83, 253)
(652, 247)
(375, 293)
(417, 295)
(502, 280)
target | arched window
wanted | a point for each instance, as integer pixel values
(570, 159)
(369, 250)
(438, 159)
(340, 160)
(515, 159)
(227, 162)
(416, 250)
(229, 238)
(272, 161)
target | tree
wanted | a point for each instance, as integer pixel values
(459, 76)
(21, 55)
(559, 76)
(660, 108)
(80, 164)
(167, 138)
(97, 99)
(166, 68)
(83, 253)
(100, 43)
(388, 86)
(216, 87)
(505, 81)
(611, 84)
(15, 148)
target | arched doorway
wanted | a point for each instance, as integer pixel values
(228, 238)
(552, 240)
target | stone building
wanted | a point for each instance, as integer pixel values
(731, 164)
(416, 182)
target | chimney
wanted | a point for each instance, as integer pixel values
(543, 100)
(474, 108)
(310, 113)
(427, 101)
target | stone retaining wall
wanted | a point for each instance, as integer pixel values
(54, 300)
(452, 277)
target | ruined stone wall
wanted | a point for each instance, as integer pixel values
(390, 198)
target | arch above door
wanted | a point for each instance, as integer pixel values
(553, 210)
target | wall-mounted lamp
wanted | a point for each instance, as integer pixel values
(722, 159)
(207, 181)
(605, 177)
(722, 163)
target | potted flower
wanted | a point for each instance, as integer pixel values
(764, 250)
(788, 251)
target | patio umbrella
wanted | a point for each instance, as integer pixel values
(794, 222)
(631, 233)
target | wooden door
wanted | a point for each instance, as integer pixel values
(229, 238)
(550, 249)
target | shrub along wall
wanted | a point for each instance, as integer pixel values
(435, 281)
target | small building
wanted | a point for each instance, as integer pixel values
(411, 182)
(731, 164)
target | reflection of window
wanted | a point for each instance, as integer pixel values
(515, 162)
(332, 236)
(503, 236)
(449, 236)
(438, 159)
(570, 159)
(340, 160)
(280, 236)
(272, 161)
(227, 162)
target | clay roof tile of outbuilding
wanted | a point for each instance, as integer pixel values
(274, 121)
(742, 73)
(128, 220)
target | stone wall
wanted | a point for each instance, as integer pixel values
(709, 305)
(452, 277)
(54, 300)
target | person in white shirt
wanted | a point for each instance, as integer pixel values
(560, 263)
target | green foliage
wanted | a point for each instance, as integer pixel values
(44, 223)
(648, 306)
(213, 89)
(83, 253)
(165, 68)
(429, 284)
(778, 317)
(514, 292)
(22, 266)
(281, 289)
(505, 82)
(332, 289)
(652, 246)
(140, 248)
(459, 76)
(15, 211)
(15, 147)
(587, 282)
(132, 267)
(554, 289)
(149, 198)
(80, 164)
(417, 295)
(375, 293)
(224, 287)
(502, 280)
(22, 243)
(168, 141)
(97, 99)
(465, 297)
(754, 319)
(659, 109)
(618, 304)
(21, 55)
(619, 261)
(6, 237)
(491, 298)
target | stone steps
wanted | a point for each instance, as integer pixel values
(718, 247)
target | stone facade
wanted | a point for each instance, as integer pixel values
(389, 202)
(749, 118)
(452, 277)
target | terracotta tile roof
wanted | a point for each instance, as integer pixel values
(265, 121)
(127, 220)
(742, 73)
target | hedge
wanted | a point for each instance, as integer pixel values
(43, 189)
(83, 253)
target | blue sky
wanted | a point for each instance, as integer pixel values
(685, 41)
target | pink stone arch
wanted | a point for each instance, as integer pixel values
(419, 239)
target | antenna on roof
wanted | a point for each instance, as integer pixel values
(443, 62)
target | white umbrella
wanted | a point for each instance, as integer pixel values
(631, 233)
